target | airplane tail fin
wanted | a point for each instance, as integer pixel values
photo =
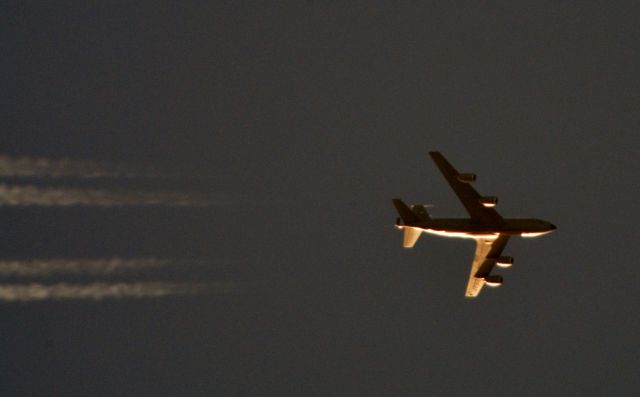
(411, 235)
(410, 216)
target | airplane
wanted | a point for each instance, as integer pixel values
(490, 231)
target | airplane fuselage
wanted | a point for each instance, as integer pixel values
(467, 228)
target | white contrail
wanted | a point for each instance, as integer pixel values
(85, 266)
(31, 195)
(39, 167)
(101, 290)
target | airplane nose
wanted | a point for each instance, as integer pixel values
(552, 226)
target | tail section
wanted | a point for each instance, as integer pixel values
(411, 235)
(419, 210)
(410, 216)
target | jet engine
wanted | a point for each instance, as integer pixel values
(466, 178)
(489, 201)
(504, 261)
(493, 281)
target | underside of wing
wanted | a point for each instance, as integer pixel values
(470, 199)
(487, 253)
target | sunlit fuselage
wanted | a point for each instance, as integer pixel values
(466, 228)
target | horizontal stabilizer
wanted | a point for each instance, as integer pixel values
(411, 235)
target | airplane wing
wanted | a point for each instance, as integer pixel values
(487, 250)
(465, 192)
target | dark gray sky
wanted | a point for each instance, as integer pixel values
(302, 121)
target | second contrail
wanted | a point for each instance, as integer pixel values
(79, 266)
(32, 195)
(102, 290)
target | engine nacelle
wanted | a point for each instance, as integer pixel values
(504, 261)
(493, 281)
(489, 201)
(466, 178)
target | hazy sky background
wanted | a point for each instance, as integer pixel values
(298, 122)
